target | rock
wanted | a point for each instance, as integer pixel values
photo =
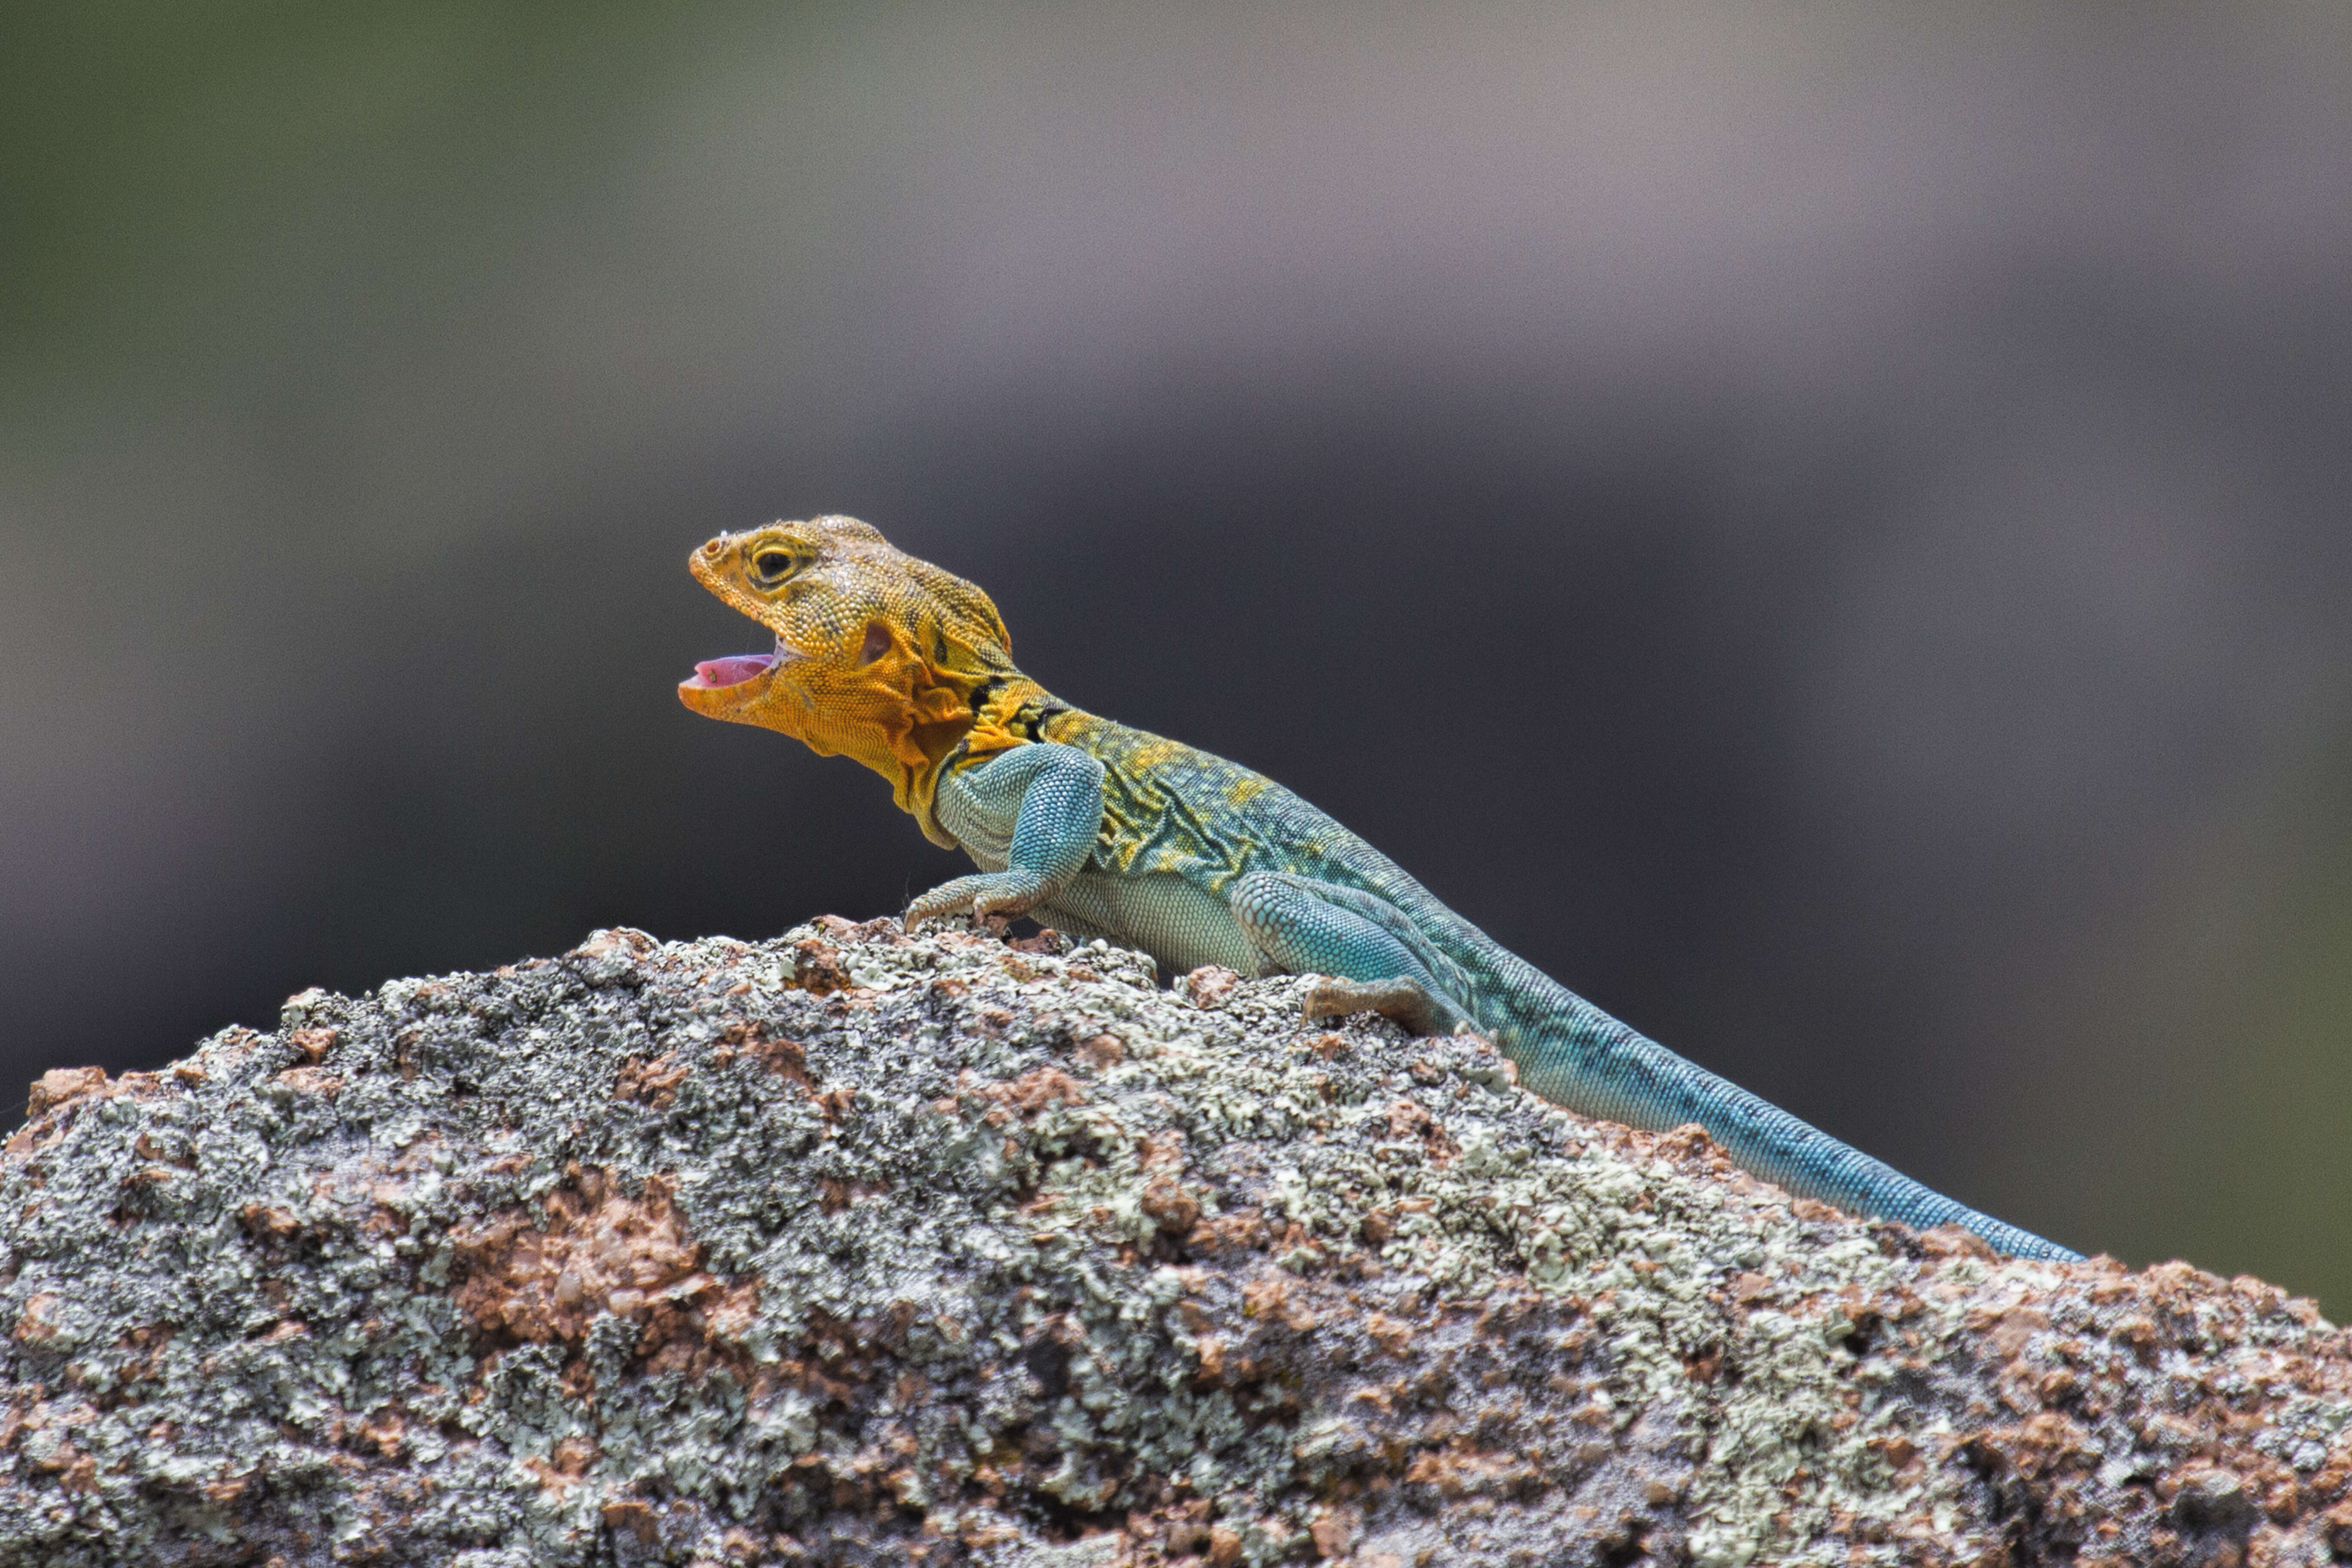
(59, 1086)
(857, 1247)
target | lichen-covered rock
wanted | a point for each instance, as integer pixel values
(862, 1249)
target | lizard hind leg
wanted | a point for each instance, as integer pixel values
(1374, 959)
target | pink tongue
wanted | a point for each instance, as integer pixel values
(733, 670)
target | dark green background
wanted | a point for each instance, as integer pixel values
(1826, 529)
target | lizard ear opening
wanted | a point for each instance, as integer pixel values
(876, 644)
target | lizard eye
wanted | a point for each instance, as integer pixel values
(771, 564)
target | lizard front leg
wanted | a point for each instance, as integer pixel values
(1052, 796)
(1376, 962)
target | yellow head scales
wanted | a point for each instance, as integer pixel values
(879, 655)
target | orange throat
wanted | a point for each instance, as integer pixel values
(878, 656)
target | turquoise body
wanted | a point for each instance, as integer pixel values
(1103, 830)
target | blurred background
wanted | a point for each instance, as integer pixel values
(1823, 528)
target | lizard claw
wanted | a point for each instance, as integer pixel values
(931, 906)
(989, 897)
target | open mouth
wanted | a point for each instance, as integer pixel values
(736, 669)
(733, 670)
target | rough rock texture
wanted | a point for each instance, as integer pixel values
(849, 1248)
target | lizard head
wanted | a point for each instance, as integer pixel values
(877, 654)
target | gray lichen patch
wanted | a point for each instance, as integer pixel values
(858, 1248)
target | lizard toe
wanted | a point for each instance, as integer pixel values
(1001, 907)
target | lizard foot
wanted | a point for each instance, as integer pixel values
(1404, 1000)
(991, 897)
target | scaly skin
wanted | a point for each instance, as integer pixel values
(1102, 830)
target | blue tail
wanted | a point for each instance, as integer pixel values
(1582, 1058)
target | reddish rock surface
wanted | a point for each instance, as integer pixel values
(851, 1248)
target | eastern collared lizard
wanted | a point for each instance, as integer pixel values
(1108, 831)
